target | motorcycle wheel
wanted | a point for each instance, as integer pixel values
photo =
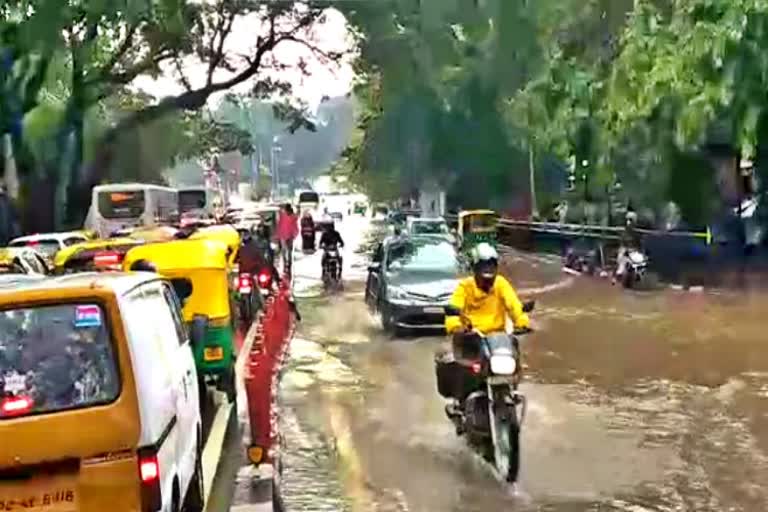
(506, 437)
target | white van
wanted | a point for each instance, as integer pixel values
(98, 391)
(120, 206)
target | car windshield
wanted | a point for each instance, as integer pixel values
(429, 228)
(419, 256)
(56, 357)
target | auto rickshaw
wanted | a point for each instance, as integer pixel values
(94, 255)
(204, 263)
(477, 226)
(225, 234)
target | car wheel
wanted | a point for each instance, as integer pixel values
(194, 501)
(387, 321)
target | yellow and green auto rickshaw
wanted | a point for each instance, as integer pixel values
(97, 254)
(204, 263)
(477, 226)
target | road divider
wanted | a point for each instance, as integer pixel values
(265, 353)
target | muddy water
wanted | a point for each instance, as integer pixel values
(638, 402)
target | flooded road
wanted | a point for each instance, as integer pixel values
(637, 402)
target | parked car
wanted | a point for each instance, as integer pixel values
(410, 280)
(99, 395)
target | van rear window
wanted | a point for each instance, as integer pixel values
(54, 358)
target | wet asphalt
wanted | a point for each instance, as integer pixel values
(652, 401)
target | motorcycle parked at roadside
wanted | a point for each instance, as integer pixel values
(635, 269)
(486, 406)
(331, 272)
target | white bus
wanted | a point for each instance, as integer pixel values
(125, 205)
(199, 198)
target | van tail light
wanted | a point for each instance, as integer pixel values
(149, 476)
(244, 283)
(264, 279)
(16, 406)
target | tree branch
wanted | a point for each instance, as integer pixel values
(121, 50)
(223, 29)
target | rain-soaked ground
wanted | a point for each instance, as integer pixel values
(653, 401)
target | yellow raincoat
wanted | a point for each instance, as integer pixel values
(487, 311)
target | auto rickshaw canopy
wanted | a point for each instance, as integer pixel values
(82, 256)
(223, 233)
(203, 262)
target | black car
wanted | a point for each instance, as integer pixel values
(411, 280)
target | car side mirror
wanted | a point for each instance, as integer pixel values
(374, 267)
(529, 306)
(452, 311)
(183, 288)
(198, 330)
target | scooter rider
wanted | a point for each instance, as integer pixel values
(485, 298)
(630, 241)
(256, 253)
(330, 239)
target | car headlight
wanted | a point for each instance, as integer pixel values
(397, 294)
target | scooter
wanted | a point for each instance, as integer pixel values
(486, 406)
(332, 268)
(635, 269)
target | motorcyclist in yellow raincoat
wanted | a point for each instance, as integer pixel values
(485, 300)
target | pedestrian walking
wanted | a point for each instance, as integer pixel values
(287, 231)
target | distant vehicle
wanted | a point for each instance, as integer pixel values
(337, 216)
(380, 211)
(429, 227)
(196, 199)
(22, 260)
(411, 280)
(116, 207)
(197, 217)
(48, 244)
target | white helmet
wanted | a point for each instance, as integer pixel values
(484, 252)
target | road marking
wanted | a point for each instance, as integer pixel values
(214, 446)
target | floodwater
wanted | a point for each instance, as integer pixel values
(653, 401)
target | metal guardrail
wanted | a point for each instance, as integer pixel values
(612, 233)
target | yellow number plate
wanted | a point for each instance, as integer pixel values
(51, 494)
(212, 354)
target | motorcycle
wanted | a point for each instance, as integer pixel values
(250, 302)
(331, 268)
(486, 405)
(635, 269)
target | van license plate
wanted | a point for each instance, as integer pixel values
(433, 310)
(55, 494)
(212, 354)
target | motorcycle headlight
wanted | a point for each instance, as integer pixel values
(503, 364)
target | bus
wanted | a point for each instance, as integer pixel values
(119, 206)
(198, 198)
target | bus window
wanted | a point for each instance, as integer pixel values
(191, 200)
(121, 205)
